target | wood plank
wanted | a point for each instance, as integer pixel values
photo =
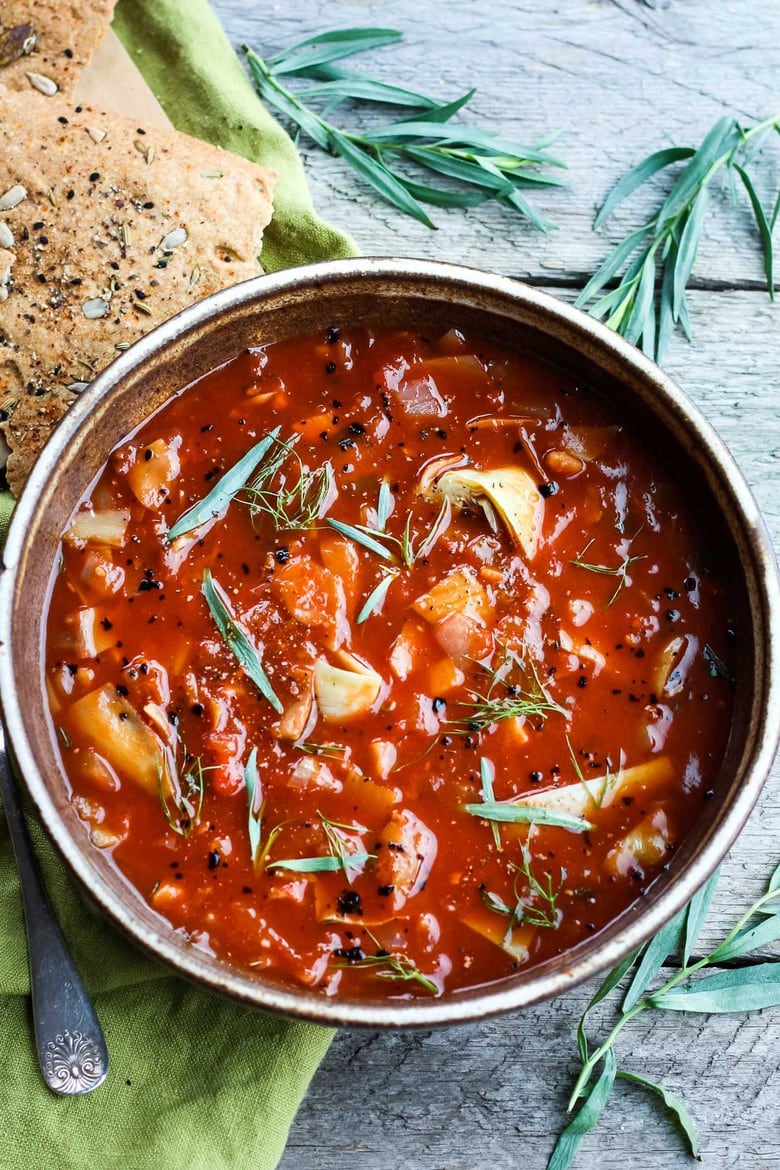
(493, 1095)
(619, 80)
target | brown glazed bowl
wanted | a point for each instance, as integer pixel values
(421, 295)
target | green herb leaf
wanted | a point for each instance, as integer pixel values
(380, 177)
(223, 492)
(764, 229)
(689, 244)
(384, 505)
(254, 802)
(639, 175)
(332, 46)
(750, 939)
(237, 638)
(328, 864)
(673, 1104)
(429, 139)
(393, 965)
(653, 957)
(698, 908)
(615, 977)
(375, 598)
(672, 233)
(717, 666)
(362, 538)
(488, 797)
(586, 1118)
(505, 812)
(744, 989)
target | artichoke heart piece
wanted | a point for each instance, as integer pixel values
(342, 694)
(507, 492)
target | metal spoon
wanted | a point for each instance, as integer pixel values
(71, 1046)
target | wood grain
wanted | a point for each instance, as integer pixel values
(619, 78)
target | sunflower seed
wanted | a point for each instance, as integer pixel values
(43, 84)
(174, 239)
(77, 387)
(97, 307)
(6, 235)
(96, 134)
(13, 197)
(194, 277)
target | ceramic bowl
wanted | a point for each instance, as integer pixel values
(419, 295)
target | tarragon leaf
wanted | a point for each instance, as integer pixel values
(223, 492)
(689, 244)
(613, 979)
(698, 907)
(380, 177)
(237, 638)
(764, 229)
(638, 175)
(252, 782)
(586, 1118)
(750, 939)
(653, 957)
(505, 812)
(743, 989)
(332, 46)
(673, 1104)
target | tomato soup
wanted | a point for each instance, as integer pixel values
(388, 664)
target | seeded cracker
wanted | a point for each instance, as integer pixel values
(107, 229)
(45, 44)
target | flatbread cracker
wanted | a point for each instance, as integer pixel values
(53, 39)
(107, 228)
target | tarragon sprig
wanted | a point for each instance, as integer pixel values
(735, 989)
(653, 264)
(480, 163)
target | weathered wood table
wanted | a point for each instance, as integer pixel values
(619, 78)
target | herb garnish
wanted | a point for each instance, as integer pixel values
(331, 751)
(665, 245)
(292, 503)
(735, 989)
(545, 914)
(511, 813)
(407, 544)
(391, 965)
(254, 803)
(223, 492)
(377, 595)
(717, 666)
(343, 856)
(506, 700)
(620, 571)
(181, 792)
(481, 163)
(486, 774)
(237, 638)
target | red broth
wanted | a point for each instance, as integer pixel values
(426, 695)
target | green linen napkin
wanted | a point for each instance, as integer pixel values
(196, 1082)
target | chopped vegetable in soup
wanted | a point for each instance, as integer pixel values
(387, 664)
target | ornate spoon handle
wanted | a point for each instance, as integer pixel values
(71, 1046)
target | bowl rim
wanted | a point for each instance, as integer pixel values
(539, 983)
